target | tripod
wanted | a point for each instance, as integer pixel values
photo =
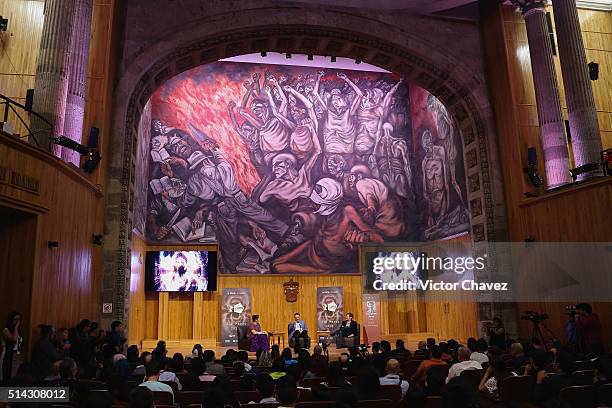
(536, 332)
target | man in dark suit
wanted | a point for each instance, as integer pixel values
(348, 329)
(297, 330)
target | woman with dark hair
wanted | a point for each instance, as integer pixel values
(278, 369)
(177, 364)
(198, 351)
(259, 338)
(132, 357)
(496, 373)
(12, 346)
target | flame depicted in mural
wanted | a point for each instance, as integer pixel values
(291, 168)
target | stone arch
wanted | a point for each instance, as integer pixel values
(461, 90)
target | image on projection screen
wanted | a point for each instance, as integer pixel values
(291, 168)
(180, 271)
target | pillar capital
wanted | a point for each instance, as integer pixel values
(528, 7)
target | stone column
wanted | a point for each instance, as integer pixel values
(586, 141)
(52, 66)
(550, 116)
(77, 79)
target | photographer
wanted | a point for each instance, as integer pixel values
(588, 328)
(497, 333)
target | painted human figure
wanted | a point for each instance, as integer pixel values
(435, 180)
(445, 137)
(341, 230)
(339, 128)
(337, 167)
(273, 134)
(380, 209)
(168, 193)
(250, 135)
(373, 109)
(393, 162)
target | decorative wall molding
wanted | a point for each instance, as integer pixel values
(603, 5)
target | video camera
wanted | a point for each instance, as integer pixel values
(570, 310)
(534, 317)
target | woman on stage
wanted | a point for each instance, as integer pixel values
(259, 338)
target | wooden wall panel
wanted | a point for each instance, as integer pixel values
(579, 213)
(16, 266)
(138, 319)
(65, 280)
(19, 49)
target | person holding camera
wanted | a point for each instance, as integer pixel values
(497, 333)
(588, 327)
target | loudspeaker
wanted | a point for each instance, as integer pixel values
(532, 157)
(29, 100)
(93, 138)
(593, 71)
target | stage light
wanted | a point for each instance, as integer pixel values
(71, 144)
(585, 168)
(264, 54)
(333, 59)
(357, 61)
(288, 56)
(3, 24)
(310, 57)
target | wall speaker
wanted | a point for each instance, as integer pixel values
(29, 100)
(593, 71)
(532, 168)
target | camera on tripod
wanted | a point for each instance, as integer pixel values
(534, 317)
(570, 310)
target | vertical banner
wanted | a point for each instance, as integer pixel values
(330, 308)
(371, 317)
(235, 311)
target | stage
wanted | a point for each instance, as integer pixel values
(185, 346)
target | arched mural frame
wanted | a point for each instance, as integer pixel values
(462, 92)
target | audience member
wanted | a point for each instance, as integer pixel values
(494, 376)
(287, 395)
(197, 352)
(400, 349)
(497, 333)
(212, 368)
(45, 357)
(588, 328)
(11, 343)
(549, 386)
(435, 360)
(464, 364)
(368, 383)
(278, 369)
(519, 359)
(392, 377)
(152, 381)
(265, 387)
(421, 349)
(459, 395)
(480, 354)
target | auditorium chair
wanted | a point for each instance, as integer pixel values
(163, 398)
(377, 403)
(190, 397)
(434, 402)
(353, 341)
(312, 382)
(244, 343)
(172, 385)
(392, 392)
(304, 394)
(516, 389)
(472, 378)
(409, 368)
(244, 397)
(315, 404)
(583, 377)
(579, 396)
(604, 394)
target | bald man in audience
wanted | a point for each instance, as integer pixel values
(392, 369)
(422, 349)
(464, 364)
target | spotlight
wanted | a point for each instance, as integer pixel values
(71, 144)
(264, 54)
(585, 168)
(288, 56)
(91, 151)
(3, 24)
(97, 239)
(310, 57)
(52, 244)
(333, 59)
(357, 61)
